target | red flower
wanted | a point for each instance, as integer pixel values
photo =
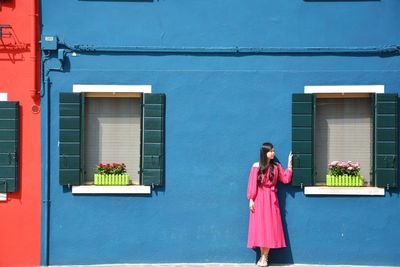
(113, 168)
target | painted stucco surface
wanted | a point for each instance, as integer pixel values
(20, 213)
(220, 108)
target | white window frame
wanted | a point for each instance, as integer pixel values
(344, 89)
(3, 97)
(108, 88)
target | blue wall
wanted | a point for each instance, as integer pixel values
(220, 108)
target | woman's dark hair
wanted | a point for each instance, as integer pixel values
(264, 163)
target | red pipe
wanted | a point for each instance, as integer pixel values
(34, 92)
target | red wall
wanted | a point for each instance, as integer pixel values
(20, 214)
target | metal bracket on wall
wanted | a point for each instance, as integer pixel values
(4, 26)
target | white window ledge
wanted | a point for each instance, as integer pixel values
(350, 191)
(87, 88)
(3, 96)
(312, 89)
(93, 189)
(3, 196)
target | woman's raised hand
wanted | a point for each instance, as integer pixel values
(290, 160)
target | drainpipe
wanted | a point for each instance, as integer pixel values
(34, 49)
(46, 182)
(390, 50)
(44, 251)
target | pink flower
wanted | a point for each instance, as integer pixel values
(350, 168)
(344, 165)
(334, 163)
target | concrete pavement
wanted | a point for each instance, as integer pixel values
(209, 265)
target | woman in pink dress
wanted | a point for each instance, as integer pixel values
(265, 226)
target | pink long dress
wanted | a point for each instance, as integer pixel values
(265, 225)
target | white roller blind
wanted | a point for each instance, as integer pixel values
(343, 132)
(112, 133)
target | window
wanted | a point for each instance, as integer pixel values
(357, 127)
(112, 127)
(112, 134)
(343, 131)
(9, 146)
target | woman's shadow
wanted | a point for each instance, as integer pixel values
(283, 255)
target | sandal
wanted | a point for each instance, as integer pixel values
(263, 261)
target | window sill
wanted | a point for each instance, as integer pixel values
(129, 189)
(3, 196)
(344, 191)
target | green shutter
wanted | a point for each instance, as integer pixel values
(386, 140)
(9, 146)
(153, 134)
(70, 139)
(303, 139)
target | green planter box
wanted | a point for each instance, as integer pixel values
(344, 180)
(111, 179)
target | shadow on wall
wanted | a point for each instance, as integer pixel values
(7, 4)
(396, 191)
(284, 255)
(285, 191)
(11, 48)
